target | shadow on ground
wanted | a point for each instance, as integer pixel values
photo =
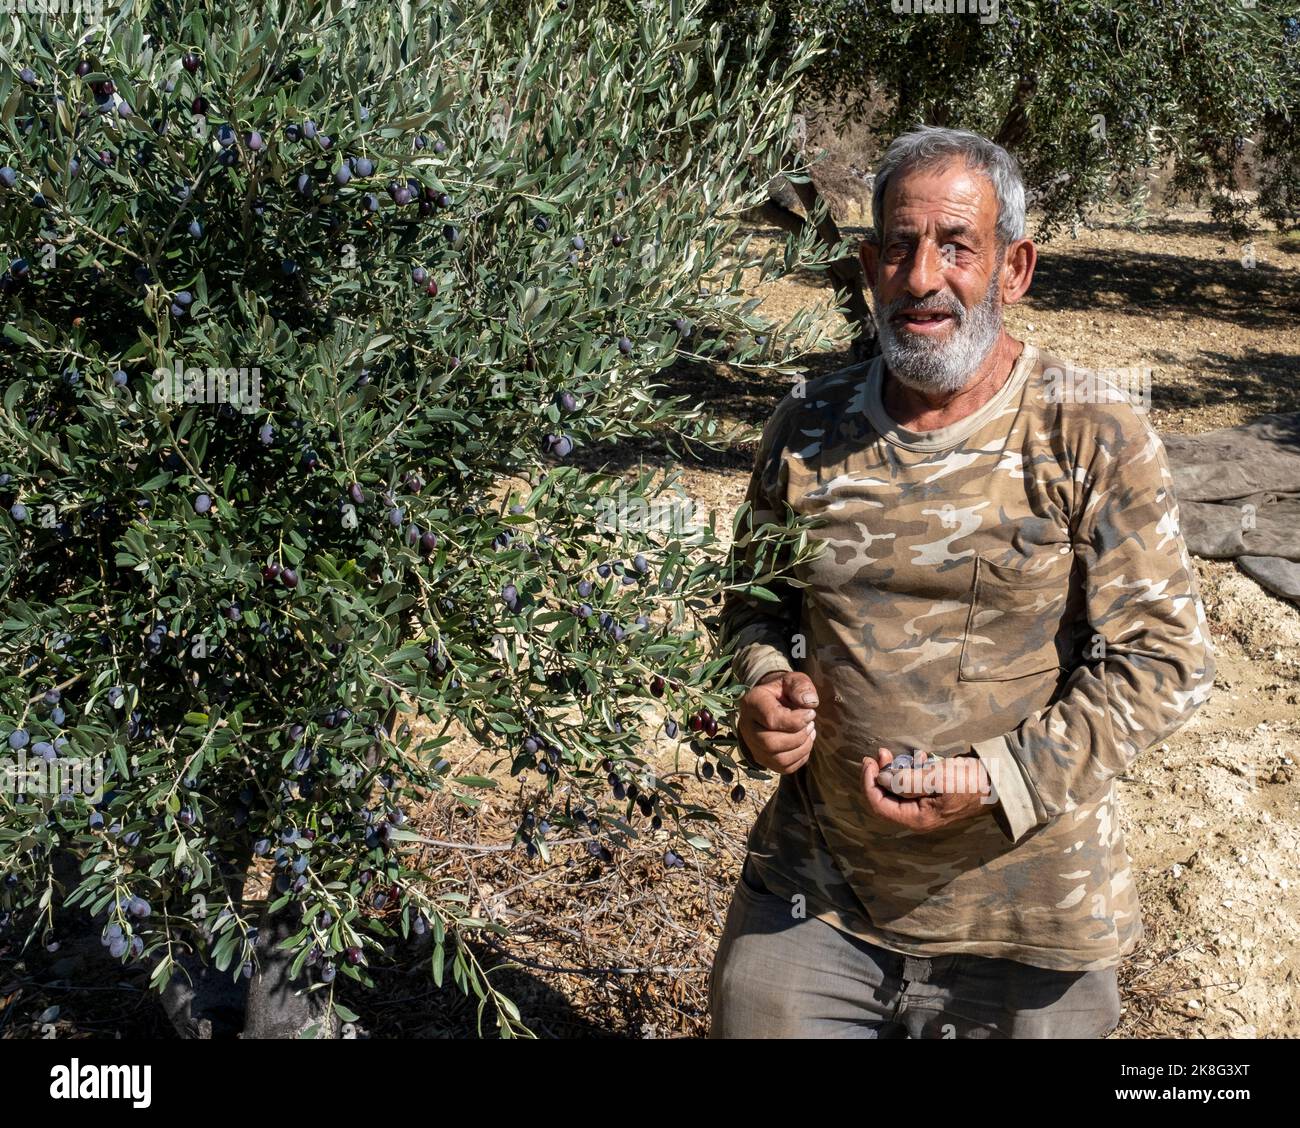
(79, 992)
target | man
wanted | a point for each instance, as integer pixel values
(1003, 589)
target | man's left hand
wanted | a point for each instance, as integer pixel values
(940, 792)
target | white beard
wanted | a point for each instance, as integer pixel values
(940, 366)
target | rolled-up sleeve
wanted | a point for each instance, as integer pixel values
(1149, 663)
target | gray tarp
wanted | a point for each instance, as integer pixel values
(1238, 492)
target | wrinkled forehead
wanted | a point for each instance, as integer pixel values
(948, 198)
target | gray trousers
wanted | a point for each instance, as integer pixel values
(776, 976)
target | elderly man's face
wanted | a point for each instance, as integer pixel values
(936, 275)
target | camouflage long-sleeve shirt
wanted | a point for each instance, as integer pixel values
(1016, 583)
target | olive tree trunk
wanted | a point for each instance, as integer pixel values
(790, 207)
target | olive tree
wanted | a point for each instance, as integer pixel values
(317, 326)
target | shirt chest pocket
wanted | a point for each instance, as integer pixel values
(1015, 614)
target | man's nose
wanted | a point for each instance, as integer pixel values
(925, 269)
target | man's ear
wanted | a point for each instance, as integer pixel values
(869, 256)
(1018, 264)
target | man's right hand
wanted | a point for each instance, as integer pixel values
(777, 721)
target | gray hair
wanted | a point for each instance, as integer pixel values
(932, 146)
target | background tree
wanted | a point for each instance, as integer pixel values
(454, 252)
(1093, 97)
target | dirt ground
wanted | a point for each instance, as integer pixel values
(1212, 816)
